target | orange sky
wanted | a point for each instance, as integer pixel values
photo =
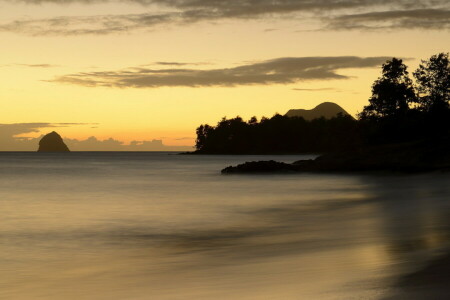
(156, 70)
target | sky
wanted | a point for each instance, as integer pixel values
(143, 74)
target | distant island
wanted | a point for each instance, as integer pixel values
(327, 110)
(52, 142)
(405, 127)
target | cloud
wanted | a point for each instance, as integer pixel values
(317, 90)
(9, 141)
(174, 63)
(168, 63)
(94, 144)
(401, 19)
(19, 128)
(256, 7)
(276, 71)
(44, 66)
(86, 25)
(182, 12)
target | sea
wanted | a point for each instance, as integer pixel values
(159, 225)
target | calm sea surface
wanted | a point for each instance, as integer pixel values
(163, 226)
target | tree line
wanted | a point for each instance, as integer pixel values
(399, 110)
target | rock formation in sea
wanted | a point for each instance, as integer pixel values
(327, 110)
(52, 142)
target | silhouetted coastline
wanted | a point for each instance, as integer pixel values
(277, 135)
(424, 156)
(404, 128)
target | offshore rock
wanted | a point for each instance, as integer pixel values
(52, 142)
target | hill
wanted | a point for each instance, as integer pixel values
(327, 110)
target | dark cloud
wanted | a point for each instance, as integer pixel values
(401, 19)
(19, 128)
(181, 12)
(169, 63)
(234, 8)
(276, 71)
(270, 29)
(87, 25)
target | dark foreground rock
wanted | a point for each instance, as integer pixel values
(421, 156)
(261, 167)
(52, 142)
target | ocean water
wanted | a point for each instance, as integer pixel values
(164, 226)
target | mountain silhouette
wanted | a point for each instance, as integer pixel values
(52, 142)
(327, 110)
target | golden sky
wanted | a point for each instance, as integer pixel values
(156, 69)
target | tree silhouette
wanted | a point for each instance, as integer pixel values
(387, 120)
(391, 93)
(202, 134)
(253, 121)
(278, 134)
(433, 83)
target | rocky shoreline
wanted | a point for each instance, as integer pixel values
(423, 156)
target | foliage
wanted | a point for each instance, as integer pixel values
(397, 112)
(433, 83)
(391, 93)
(279, 134)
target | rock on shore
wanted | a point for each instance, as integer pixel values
(415, 157)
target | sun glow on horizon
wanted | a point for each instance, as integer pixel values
(161, 77)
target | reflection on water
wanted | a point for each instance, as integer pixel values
(158, 226)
